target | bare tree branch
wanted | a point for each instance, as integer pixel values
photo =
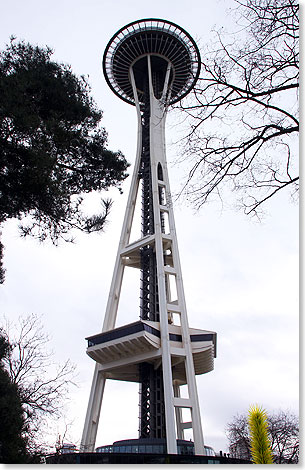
(243, 113)
(43, 385)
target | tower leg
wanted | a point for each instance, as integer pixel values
(99, 379)
(157, 154)
(93, 411)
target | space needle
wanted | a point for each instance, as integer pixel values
(151, 64)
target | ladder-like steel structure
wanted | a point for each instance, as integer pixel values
(151, 64)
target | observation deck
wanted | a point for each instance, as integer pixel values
(166, 43)
(119, 351)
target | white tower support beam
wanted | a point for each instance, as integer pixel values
(99, 379)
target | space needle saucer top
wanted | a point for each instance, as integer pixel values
(166, 43)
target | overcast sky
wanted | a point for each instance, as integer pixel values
(240, 276)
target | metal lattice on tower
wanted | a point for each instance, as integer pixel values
(151, 64)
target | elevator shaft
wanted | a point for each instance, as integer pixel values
(151, 403)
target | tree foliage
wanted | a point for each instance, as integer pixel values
(243, 112)
(283, 433)
(13, 443)
(43, 385)
(53, 149)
